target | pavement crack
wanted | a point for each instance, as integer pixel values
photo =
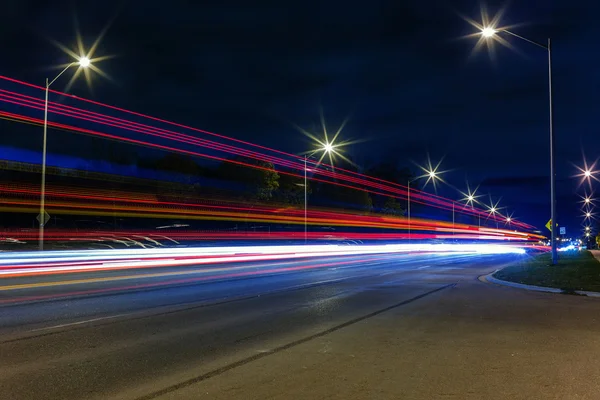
(284, 347)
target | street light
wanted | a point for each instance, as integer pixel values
(326, 148)
(493, 210)
(489, 32)
(83, 62)
(431, 175)
(470, 199)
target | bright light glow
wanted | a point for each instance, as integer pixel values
(487, 28)
(84, 58)
(587, 172)
(588, 214)
(470, 197)
(493, 208)
(508, 219)
(84, 62)
(19, 263)
(432, 173)
(328, 146)
(587, 200)
(567, 248)
(488, 32)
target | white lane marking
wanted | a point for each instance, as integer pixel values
(80, 322)
(424, 266)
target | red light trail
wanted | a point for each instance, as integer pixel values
(363, 182)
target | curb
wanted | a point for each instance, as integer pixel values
(490, 279)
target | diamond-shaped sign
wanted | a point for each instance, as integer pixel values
(46, 218)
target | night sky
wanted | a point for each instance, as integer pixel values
(398, 69)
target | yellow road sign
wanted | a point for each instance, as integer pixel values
(549, 225)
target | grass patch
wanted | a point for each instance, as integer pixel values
(574, 271)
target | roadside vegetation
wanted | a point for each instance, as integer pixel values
(576, 270)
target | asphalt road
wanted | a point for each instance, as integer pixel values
(388, 327)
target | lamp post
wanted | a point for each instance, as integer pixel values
(431, 175)
(471, 199)
(305, 202)
(327, 148)
(489, 32)
(82, 62)
(493, 211)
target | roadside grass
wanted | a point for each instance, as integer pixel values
(574, 271)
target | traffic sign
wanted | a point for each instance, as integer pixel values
(563, 230)
(549, 226)
(46, 218)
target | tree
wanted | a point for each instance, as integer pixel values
(392, 207)
(258, 177)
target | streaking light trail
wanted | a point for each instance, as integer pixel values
(18, 263)
(339, 177)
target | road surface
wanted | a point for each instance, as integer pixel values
(356, 327)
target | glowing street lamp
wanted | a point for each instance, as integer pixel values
(82, 62)
(431, 174)
(491, 32)
(587, 172)
(488, 32)
(493, 209)
(326, 148)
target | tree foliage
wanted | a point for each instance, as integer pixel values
(291, 190)
(258, 177)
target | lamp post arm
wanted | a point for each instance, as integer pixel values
(527, 40)
(58, 76)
